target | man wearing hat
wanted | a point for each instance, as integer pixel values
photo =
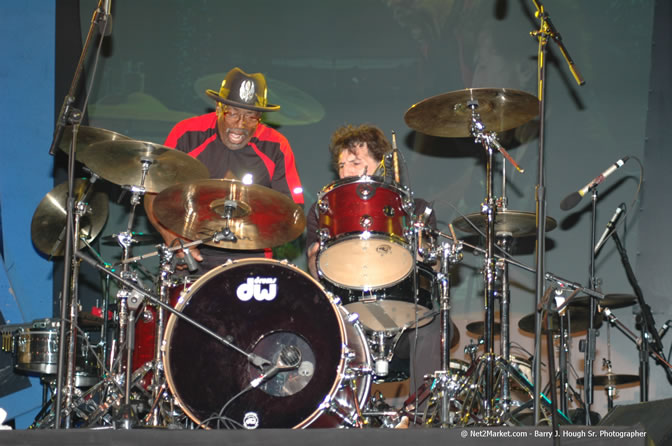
(234, 144)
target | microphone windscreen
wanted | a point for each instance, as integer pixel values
(570, 201)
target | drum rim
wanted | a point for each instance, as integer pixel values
(363, 179)
(352, 236)
(184, 299)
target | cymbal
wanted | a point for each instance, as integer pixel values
(611, 380)
(48, 225)
(263, 217)
(610, 300)
(449, 114)
(517, 223)
(478, 328)
(86, 136)
(120, 162)
(579, 319)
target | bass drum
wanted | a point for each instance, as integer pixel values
(263, 306)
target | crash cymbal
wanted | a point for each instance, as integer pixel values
(611, 380)
(578, 319)
(610, 300)
(517, 223)
(449, 114)
(86, 136)
(48, 225)
(263, 217)
(120, 162)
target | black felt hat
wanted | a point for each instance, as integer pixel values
(240, 89)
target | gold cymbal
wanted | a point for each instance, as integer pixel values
(121, 161)
(579, 319)
(262, 217)
(517, 223)
(86, 136)
(449, 114)
(610, 300)
(611, 380)
(48, 225)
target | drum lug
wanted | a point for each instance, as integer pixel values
(365, 221)
(323, 205)
(324, 235)
(365, 191)
(407, 205)
(333, 408)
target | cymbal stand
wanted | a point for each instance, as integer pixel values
(443, 388)
(504, 241)
(166, 257)
(488, 208)
(128, 301)
(79, 209)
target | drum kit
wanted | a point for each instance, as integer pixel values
(258, 343)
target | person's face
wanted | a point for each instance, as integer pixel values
(357, 162)
(237, 125)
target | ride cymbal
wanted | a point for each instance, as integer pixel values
(516, 223)
(48, 225)
(579, 320)
(449, 114)
(121, 162)
(611, 380)
(261, 217)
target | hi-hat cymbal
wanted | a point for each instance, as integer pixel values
(48, 225)
(611, 380)
(516, 223)
(477, 328)
(262, 218)
(449, 114)
(86, 136)
(610, 300)
(121, 162)
(579, 319)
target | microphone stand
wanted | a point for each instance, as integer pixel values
(546, 31)
(70, 115)
(650, 337)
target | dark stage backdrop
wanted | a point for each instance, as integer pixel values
(351, 61)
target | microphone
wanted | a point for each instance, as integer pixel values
(289, 358)
(664, 328)
(610, 226)
(192, 266)
(105, 24)
(573, 199)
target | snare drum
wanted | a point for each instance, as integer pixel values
(392, 308)
(36, 350)
(263, 306)
(363, 224)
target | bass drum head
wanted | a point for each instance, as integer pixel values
(260, 306)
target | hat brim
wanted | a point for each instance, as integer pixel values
(214, 95)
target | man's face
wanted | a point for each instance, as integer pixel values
(237, 125)
(356, 162)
